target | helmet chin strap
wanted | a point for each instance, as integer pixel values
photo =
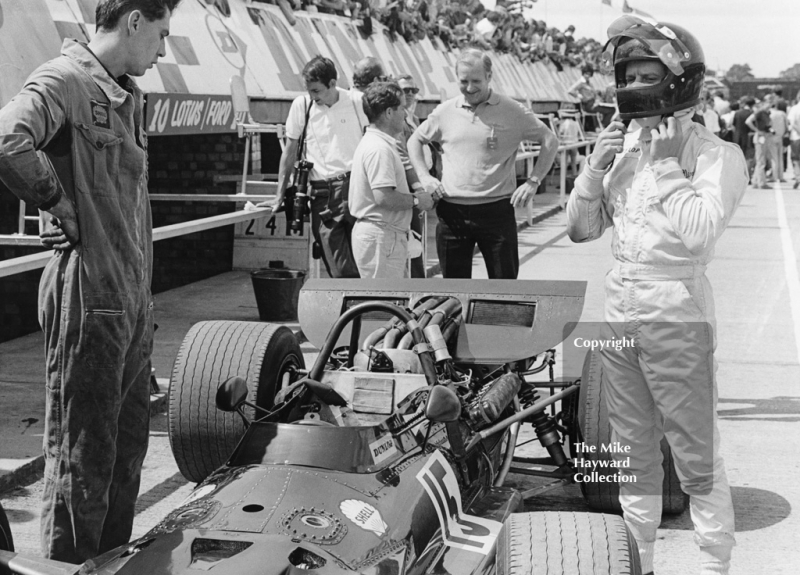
(652, 121)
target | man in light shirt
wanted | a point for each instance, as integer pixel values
(333, 120)
(379, 196)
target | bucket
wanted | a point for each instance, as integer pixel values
(277, 292)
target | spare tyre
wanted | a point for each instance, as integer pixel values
(594, 429)
(267, 356)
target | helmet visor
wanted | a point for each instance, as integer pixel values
(658, 38)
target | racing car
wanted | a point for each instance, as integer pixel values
(391, 453)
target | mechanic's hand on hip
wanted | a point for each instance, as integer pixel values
(667, 140)
(62, 236)
(523, 194)
(66, 232)
(432, 186)
(425, 201)
(609, 144)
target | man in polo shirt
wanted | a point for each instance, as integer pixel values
(335, 124)
(480, 132)
(379, 194)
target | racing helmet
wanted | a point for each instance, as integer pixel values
(639, 38)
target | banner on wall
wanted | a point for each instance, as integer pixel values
(212, 40)
(176, 114)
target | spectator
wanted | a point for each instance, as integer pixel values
(763, 139)
(583, 90)
(710, 116)
(480, 132)
(410, 91)
(721, 105)
(379, 199)
(331, 121)
(668, 190)
(96, 306)
(794, 139)
(780, 128)
(569, 133)
(741, 133)
(366, 71)
(485, 29)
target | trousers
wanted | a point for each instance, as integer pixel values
(97, 349)
(665, 387)
(332, 226)
(492, 226)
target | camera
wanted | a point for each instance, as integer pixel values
(297, 196)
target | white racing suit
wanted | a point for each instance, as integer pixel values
(667, 216)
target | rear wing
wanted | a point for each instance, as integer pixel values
(501, 320)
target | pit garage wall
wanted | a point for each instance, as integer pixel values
(178, 164)
(210, 41)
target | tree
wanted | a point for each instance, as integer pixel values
(739, 72)
(793, 72)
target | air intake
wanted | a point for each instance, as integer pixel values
(500, 313)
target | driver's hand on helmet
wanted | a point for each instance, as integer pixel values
(667, 140)
(609, 144)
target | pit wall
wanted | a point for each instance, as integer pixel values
(177, 165)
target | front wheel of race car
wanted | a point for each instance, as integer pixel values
(594, 429)
(265, 355)
(6, 541)
(562, 543)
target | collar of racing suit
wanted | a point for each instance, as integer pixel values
(684, 117)
(88, 62)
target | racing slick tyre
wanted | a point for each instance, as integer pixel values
(594, 429)
(265, 355)
(563, 543)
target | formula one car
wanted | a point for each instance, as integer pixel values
(389, 455)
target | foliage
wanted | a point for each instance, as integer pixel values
(793, 72)
(739, 72)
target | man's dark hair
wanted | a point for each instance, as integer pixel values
(379, 97)
(366, 71)
(109, 12)
(749, 101)
(735, 106)
(320, 69)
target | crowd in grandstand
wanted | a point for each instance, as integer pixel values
(507, 28)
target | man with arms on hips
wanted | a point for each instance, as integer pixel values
(379, 195)
(335, 124)
(84, 111)
(669, 187)
(480, 132)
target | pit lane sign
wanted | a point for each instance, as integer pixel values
(182, 114)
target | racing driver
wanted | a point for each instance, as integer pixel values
(669, 187)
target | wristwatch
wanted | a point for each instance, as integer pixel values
(534, 180)
(415, 199)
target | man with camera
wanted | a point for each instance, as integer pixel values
(322, 130)
(380, 198)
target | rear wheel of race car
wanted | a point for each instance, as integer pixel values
(595, 430)
(562, 543)
(265, 355)
(6, 541)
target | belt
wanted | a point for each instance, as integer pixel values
(649, 272)
(326, 183)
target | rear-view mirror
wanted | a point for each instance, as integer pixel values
(443, 405)
(231, 393)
